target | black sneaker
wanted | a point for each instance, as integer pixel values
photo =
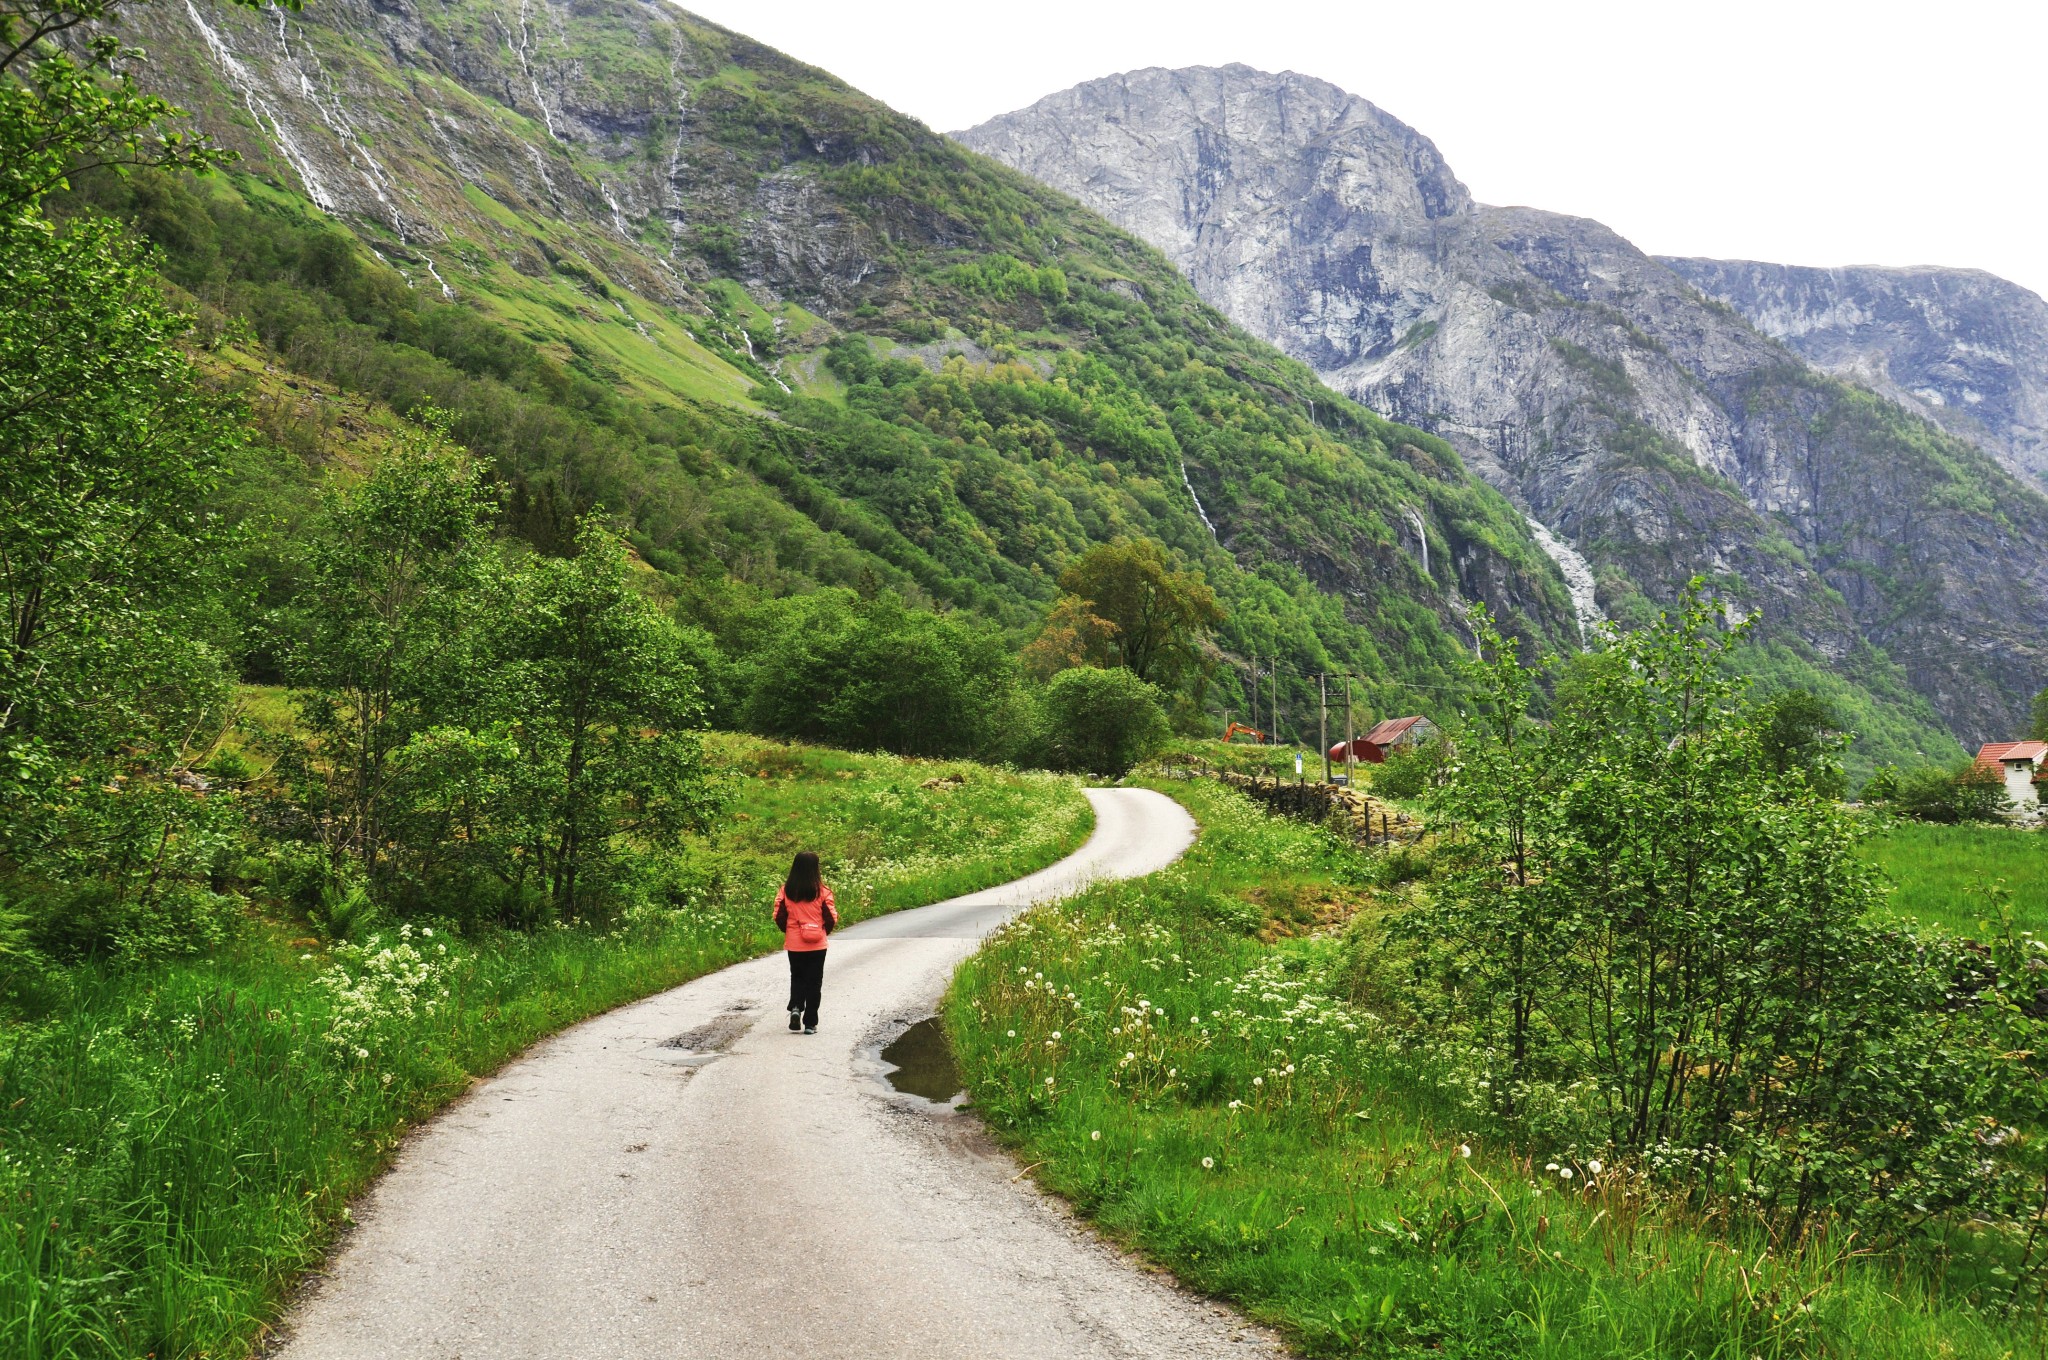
(796, 1019)
(810, 1029)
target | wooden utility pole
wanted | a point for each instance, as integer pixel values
(1350, 748)
(1255, 693)
(1323, 722)
(1273, 696)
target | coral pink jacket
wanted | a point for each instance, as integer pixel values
(805, 925)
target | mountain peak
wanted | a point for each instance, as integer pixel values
(1212, 123)
(1665, 436)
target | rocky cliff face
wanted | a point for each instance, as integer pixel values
(1661, 434)
(1966, 349)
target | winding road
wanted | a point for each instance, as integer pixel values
(683, 1177)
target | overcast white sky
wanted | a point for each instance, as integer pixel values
(1802, 131)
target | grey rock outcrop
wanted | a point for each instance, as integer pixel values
(1660, 433)
(1966, 349)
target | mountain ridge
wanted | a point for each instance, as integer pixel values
(1661, 434)
(919, 364)
(1962, 348)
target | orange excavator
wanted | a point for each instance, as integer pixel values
(1237, 727)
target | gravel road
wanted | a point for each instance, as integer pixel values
(683, 1177)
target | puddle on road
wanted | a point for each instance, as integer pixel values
(924, 1064)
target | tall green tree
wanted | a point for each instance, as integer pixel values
(1802, 733)
(1095, 721)
(382, 628)
(598, 696)
(110, 452)
(1158, 616)
(2038, 729)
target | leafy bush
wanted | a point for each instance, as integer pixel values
(1963, 793)
(1410, 771)
(1640, 912)
(1099, 721)
(876, 675)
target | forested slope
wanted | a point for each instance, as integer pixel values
(650, 264)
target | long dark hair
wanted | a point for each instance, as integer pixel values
(804, 880)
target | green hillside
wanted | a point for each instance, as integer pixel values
(794, 338)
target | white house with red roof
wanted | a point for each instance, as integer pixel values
(2025, 767)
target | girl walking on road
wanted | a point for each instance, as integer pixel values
(806, 917)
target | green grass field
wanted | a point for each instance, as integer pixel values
(1940, 873)
(1213, 1102)
(178, 1143)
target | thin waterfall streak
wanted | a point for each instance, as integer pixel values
(1207, 523)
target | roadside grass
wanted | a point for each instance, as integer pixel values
(179, 1143)
(1213, 1102)
(1939, 872)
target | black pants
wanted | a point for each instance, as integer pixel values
(806, 981)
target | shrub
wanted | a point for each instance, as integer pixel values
(878, 675)
(1099, 721)
(1965, 793)
(1411, 771)
(1640, 911)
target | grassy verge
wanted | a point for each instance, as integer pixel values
(1938, 872)
(177, 1144)
(1206, 1096)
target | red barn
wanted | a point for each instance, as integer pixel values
(1387, 737)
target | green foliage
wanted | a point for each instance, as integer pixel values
(1226, 1107)
(64, 110)
(1801, 732)
(601, 708)
(109, 452)
(391, 585)
(183, 1142)
(489, 741)
(1158, 617)
(111, 674)
(1964, 792)
(1099, 721)
(875, 675)
(1410, 771)
(1639, 913)
(2038, 724)
(1005, 277)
